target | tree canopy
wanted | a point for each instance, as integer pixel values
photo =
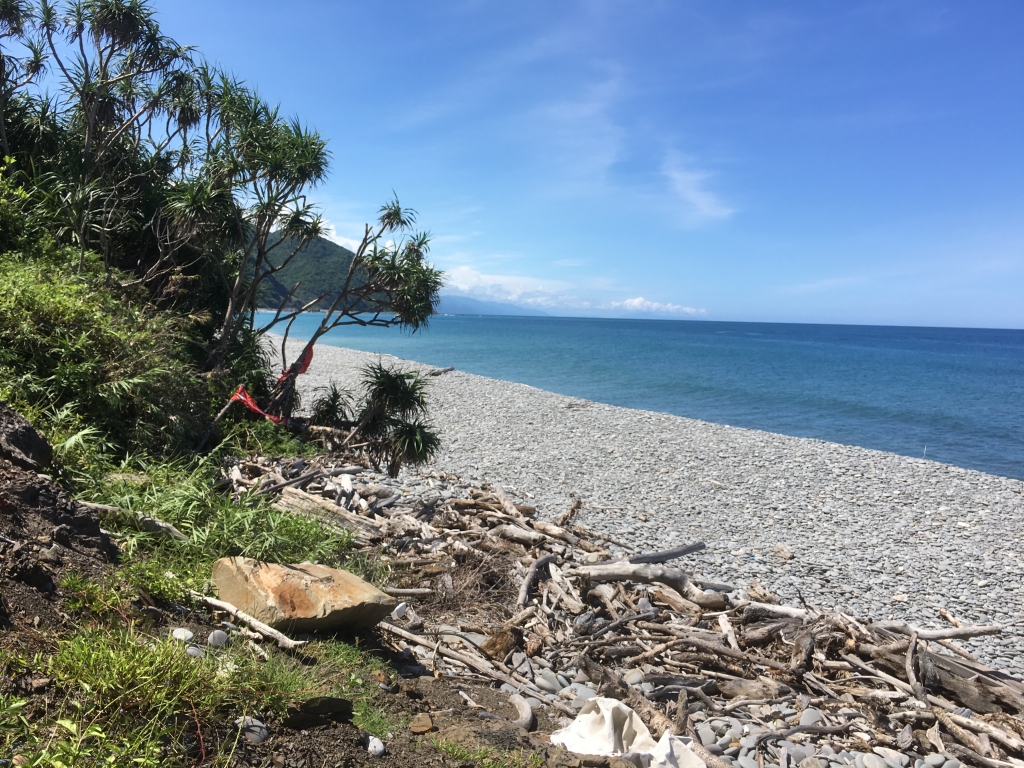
(181, 178)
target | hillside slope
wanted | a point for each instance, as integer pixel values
(320, 266)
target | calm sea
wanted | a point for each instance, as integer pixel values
(947, 394)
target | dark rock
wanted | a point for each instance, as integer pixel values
(319, 710)
(20, 444)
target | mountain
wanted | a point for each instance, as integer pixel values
(464, 305)
(321, 266)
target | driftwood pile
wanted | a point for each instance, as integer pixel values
(556, 614)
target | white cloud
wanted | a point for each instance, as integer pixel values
(464, 279)
(331, 233)
(640, 304)
(688, 183)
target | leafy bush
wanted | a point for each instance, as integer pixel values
(216, 525)
(92, 368)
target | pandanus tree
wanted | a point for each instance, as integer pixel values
(389, 423)
(22, 58)
(388, 282)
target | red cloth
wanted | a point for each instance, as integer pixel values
(303, 363)
(245, 398)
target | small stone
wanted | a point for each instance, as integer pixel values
(951, 764)
(706, 735)
(375, 746)
(217, 638)
(194, 651)
(935, 759)
(633, 677)
(810, 716)
(547, 681)
(421, 723)
(874, 761)
(892, 757)
(182, 635)
(51, 555)
(810, 762)
(746, 762)
(253, 730)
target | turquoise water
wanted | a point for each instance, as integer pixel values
(952, 395)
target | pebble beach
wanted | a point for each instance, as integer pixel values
(875, 534)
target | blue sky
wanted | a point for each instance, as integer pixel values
(855, 162)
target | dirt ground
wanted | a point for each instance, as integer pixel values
(46, 535)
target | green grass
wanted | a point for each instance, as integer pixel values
(96, 371)
(486, 757)
(183, 495)
(125, 696)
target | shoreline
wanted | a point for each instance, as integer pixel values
(875, 532)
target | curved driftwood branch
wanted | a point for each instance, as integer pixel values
(531, 577)
(525, 719)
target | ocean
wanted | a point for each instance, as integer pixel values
(947, 394)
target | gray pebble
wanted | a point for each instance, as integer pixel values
(746, 762)
(253, 730)
(810, 716)
(181, 634)
(217, 638)
(935, 759)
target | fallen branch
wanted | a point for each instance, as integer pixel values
(480, 665)
(282, 640)
(643, 574)
(506, 503)
(667, 554)
(531, 576)
(146, 522)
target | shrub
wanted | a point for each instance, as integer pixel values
(92, 368)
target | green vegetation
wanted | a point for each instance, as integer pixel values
(487, 757)
(147, 201)
(389, 420)
(131, 699)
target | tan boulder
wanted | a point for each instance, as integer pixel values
(302, 597)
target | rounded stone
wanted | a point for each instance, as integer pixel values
(810, 716)
(182, 635)
(375, 747)
(194, 651)
(253, 730)
(935, 759)
(217, 638)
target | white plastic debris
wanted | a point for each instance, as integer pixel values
(608, 727)
(375, 746)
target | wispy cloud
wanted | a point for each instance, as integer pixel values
(467, 280)
(640, 304)
(689, 184)
(331, 233)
